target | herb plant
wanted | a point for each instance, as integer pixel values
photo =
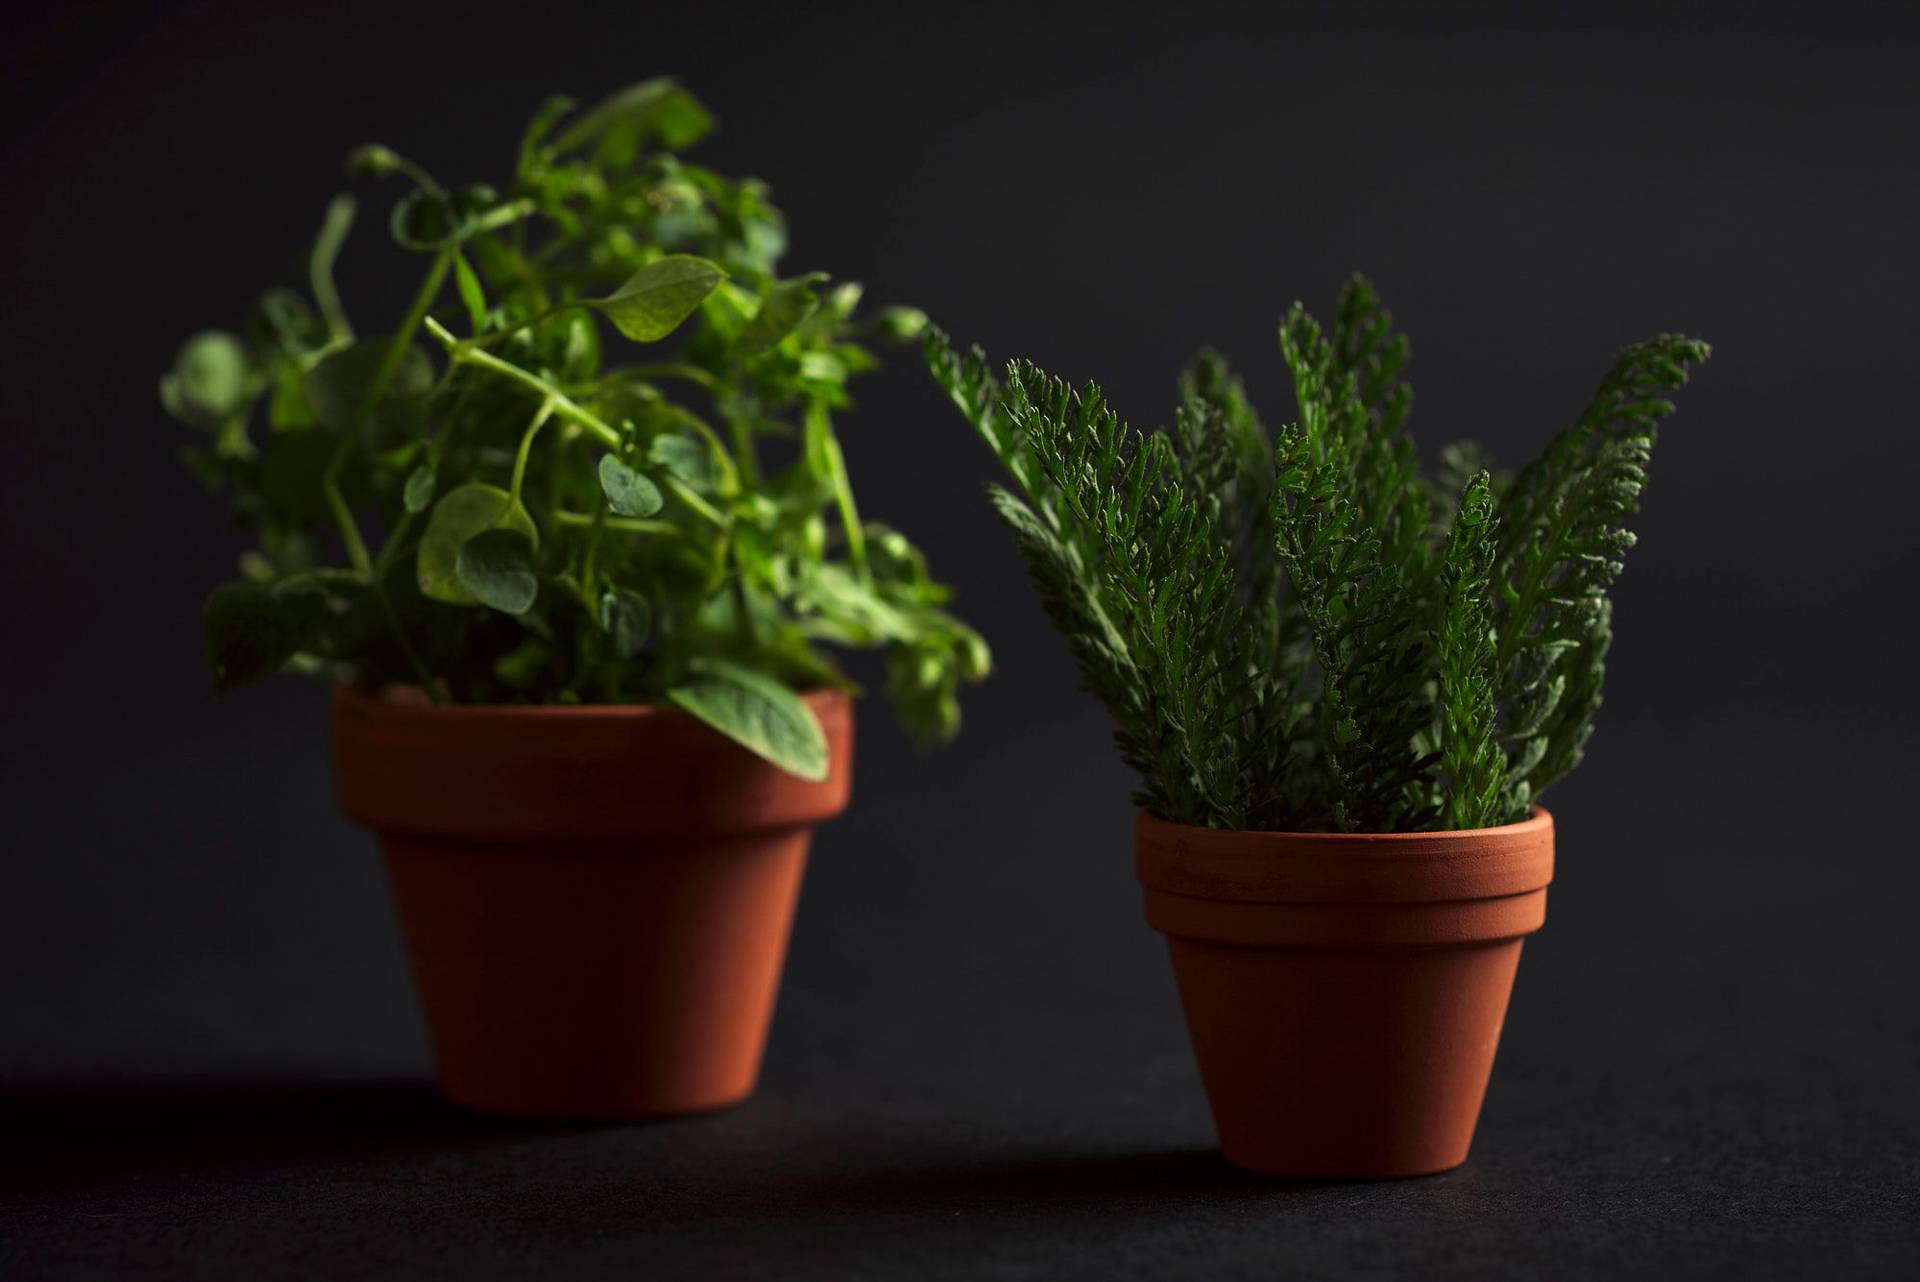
(593, 461)
(1312, 634)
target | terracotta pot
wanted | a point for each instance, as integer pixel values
(596, 900)
(1345, 992)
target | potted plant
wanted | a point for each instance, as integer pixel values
(568, 535)
(1345, 685)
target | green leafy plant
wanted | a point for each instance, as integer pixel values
(1310, 633)
(527, 508)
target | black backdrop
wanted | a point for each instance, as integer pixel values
(212, 1063)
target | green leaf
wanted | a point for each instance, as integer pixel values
(858, 614)
(625, 617)
(430, 220)
(659, 296)
(552, 112)
(497, 567)
(252, 630)
(902, 324)
(460, 515)
(292, 470)
(657, 108)
(282, 323)
(337, 389)
(787, 304)
(372, 162)
(211, 381)
(687, 459)
(472, 295)
(757, 712)
(629, 493)
(419, 489)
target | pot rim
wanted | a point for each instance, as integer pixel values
(1538, 817)
(819, 698)
(1243, 866)
(606, 773)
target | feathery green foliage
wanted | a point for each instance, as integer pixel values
(1311, 634)
(562, 522)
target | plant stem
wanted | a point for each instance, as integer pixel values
(397, 348)
(624, 524)
(320, 269)
(692, 499)
(526, 447)
(818, 421)
(670, 369)
(563, 405)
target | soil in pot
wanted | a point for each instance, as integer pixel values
(596, 900)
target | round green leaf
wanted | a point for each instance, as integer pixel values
(212, 380)
(757, 712)
(688, 459)
(659, 296)
(626, 618)
(253, 629)
(497, 567)
(419, 490)
(459, 515)
(786, 304)
(337, 387)
(629, 493)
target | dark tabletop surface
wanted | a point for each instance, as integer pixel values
(978, 1066)
(210, 1060)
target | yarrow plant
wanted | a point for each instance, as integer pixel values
(593, 461)
(1311, 634)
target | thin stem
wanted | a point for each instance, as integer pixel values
(421, 177)
(745, 459)
(414, 661)
(624, 524)
(669, 369)
(819, 422)
(397, 348)
(693, 500)
(732, 479)
(563, 405)
(494, 219)
(343, 517)
(589, 563)
(333, 233)
(566, 407)
(395, 544)
(526, 447)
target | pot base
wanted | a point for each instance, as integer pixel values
(1362, 1064)
(598, 981)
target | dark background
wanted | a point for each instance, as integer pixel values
(210, 1059)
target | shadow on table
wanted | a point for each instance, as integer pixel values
(70, 1143)
(65, 1137)
(933, 1189)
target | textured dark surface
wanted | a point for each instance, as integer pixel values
(979, 1067)
(210, 1063)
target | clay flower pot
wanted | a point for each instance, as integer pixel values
(596, 900)
(1345, 992)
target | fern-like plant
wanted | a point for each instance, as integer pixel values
(1309, 633)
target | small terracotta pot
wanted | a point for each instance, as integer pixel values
(596, 900)
(1345, 992)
